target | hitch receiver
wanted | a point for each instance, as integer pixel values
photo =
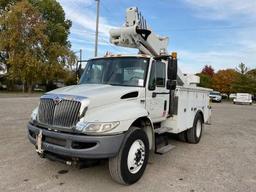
(39, 138)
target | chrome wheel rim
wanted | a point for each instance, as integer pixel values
(136, 156)
(198, 128)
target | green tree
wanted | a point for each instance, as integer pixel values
(223, 80)
(4, 51)
(252, 74)
(246, 81)
(242, 69)
(58, 28)
(5, 4)
(57, 54)
(24, 37)
(206, 76)
(205, 80)
(245, 84)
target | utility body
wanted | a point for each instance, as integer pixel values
(122, 106)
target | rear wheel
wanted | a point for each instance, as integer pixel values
(194, 134)
(183, 136)
(130, 163)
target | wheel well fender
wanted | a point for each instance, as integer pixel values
(146, 124)
(199, 112)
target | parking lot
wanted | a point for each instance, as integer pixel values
(224, 160)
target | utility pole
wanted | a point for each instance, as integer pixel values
(97, 28)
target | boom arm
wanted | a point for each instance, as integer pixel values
(137, 34)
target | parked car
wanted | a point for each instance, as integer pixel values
(243, 98)
(215, 96)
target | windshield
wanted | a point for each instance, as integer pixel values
(125, 71)
(214, 93)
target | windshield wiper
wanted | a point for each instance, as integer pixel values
(122, 85)
(114, 84)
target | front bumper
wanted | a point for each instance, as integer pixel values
(214, 99)
(243, 102)
(79, 146)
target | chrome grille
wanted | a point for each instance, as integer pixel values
(64, 113)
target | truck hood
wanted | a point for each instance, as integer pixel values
(98, 95)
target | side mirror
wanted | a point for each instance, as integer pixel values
(80, 72)
(172, 68)
(171, 84)
(172, 73)
(152, 86)
(79, 68)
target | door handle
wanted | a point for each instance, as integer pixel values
(154, 94)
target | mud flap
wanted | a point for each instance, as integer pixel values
(39, 139)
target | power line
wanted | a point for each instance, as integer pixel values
(103, 40)
(113, 46)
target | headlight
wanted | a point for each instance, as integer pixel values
(96, 127)
(34, 114)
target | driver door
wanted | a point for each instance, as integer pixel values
(157, 95)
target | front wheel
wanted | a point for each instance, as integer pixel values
(130, 163)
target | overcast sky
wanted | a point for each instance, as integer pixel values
(221, 33)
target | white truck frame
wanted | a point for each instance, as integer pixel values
(122, 123)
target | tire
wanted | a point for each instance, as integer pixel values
(183, 136)
(194, 134)
(120, 168)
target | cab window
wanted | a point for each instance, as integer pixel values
(157, 75)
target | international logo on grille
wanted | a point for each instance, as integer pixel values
(57, 100)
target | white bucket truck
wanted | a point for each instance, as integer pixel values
(121, 107)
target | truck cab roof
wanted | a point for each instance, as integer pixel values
(122, 55)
